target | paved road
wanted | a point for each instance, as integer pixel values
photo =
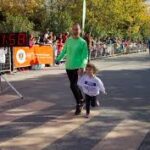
(44, 120)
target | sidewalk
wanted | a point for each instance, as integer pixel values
(105, 63)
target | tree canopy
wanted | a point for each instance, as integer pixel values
(122, 18)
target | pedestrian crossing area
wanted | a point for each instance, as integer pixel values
(35, 125)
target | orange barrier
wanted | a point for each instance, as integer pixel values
(26, 56)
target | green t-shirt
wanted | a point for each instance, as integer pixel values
(76, 52)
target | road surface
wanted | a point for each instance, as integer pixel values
(44, 120)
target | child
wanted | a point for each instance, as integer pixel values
(91, 86)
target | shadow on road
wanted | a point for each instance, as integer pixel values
(128, 90)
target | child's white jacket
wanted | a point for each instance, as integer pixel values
(91, 86)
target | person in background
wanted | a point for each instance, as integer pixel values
(41, 38)
(49, 40)
(54, 37)
(32, 41)
(46, 35)
(91, 86)
(125, 46)
(76, 52)
(104, 49)
(55, 49)
(51, 34)
(65, 37)
(87, 38)
(149, 46)
(60, 44)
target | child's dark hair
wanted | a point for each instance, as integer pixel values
(92, 66)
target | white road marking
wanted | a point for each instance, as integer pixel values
(40, 137)
(7, 98)
(128, 135)
(22, 111)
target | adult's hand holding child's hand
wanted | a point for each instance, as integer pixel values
(80, 72)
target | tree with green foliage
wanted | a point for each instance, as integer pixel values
(16, 24)
(121, 18)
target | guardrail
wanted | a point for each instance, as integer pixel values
(5, 66)
(110, 50)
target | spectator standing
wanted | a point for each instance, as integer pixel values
(65, 37)
(32, 41)
(49, 40)
(87, 38)
(46, 35)
(149, 46)
(60, 44)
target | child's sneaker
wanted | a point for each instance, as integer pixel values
(97, 103)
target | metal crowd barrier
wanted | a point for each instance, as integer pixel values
(6, 67)
(111, 50)
(137, 48)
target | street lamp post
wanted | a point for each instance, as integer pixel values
(83, 16)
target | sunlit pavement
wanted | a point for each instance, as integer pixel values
(44, 119)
